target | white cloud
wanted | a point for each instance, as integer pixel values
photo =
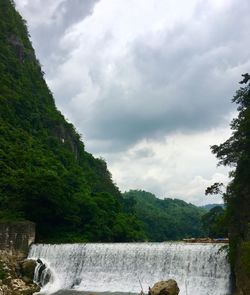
(180, 166)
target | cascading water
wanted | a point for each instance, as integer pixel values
(199, 269)
(42, 274)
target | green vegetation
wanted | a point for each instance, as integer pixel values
(168, 219)
(208, 207)
(214, 222)
(3, 273)
(245, 257)
(46, 175)
(235, 152)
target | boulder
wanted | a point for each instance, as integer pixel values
(168, 287)
(27, 269)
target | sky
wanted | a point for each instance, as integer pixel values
(147, 83)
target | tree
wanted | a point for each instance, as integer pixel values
(235, 152)
(214, 222)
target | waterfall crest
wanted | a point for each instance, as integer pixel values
(199, 269)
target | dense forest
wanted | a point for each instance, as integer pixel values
(46, 174)
(168, 219)
(211, 206)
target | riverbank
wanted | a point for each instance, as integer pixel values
(13, 280)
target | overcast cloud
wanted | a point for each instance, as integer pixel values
(147, 83)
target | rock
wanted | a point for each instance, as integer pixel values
(18, 276)
(18, 46)
(168, 287)
(7, 280)
(17, 284)
(4, 290)
(27, 280)
(27, 269)
(19, 287)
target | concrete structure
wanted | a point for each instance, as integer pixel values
(17, 237)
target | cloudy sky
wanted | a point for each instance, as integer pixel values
(147, 83)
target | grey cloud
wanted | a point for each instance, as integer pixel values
(145, 152)
(46, 36)
(185, 83)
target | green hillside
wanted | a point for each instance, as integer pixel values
(168, 219)
(208, 207)
(46, 174)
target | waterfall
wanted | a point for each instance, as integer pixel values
(199, 269)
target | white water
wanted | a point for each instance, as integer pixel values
(199, 269)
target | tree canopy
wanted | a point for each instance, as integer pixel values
(235, 152)
(167, 219)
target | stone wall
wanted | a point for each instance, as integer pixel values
(17, 237)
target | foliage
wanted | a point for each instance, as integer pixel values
(214, 189)
(235, 152)
(245, 257)
(208, 207)
(214, 222)
(3, 273)
(168, 219)
(46, 175)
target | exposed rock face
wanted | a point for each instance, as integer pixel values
(168, 287)
(18, 46)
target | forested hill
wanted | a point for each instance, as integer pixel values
(211, 206)
(168, 219)
(46, 175)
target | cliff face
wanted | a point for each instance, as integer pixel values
(46, 174)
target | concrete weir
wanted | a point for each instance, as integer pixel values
(198, 269)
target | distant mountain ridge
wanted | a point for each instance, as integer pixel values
(211, 206)
(168, 219)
